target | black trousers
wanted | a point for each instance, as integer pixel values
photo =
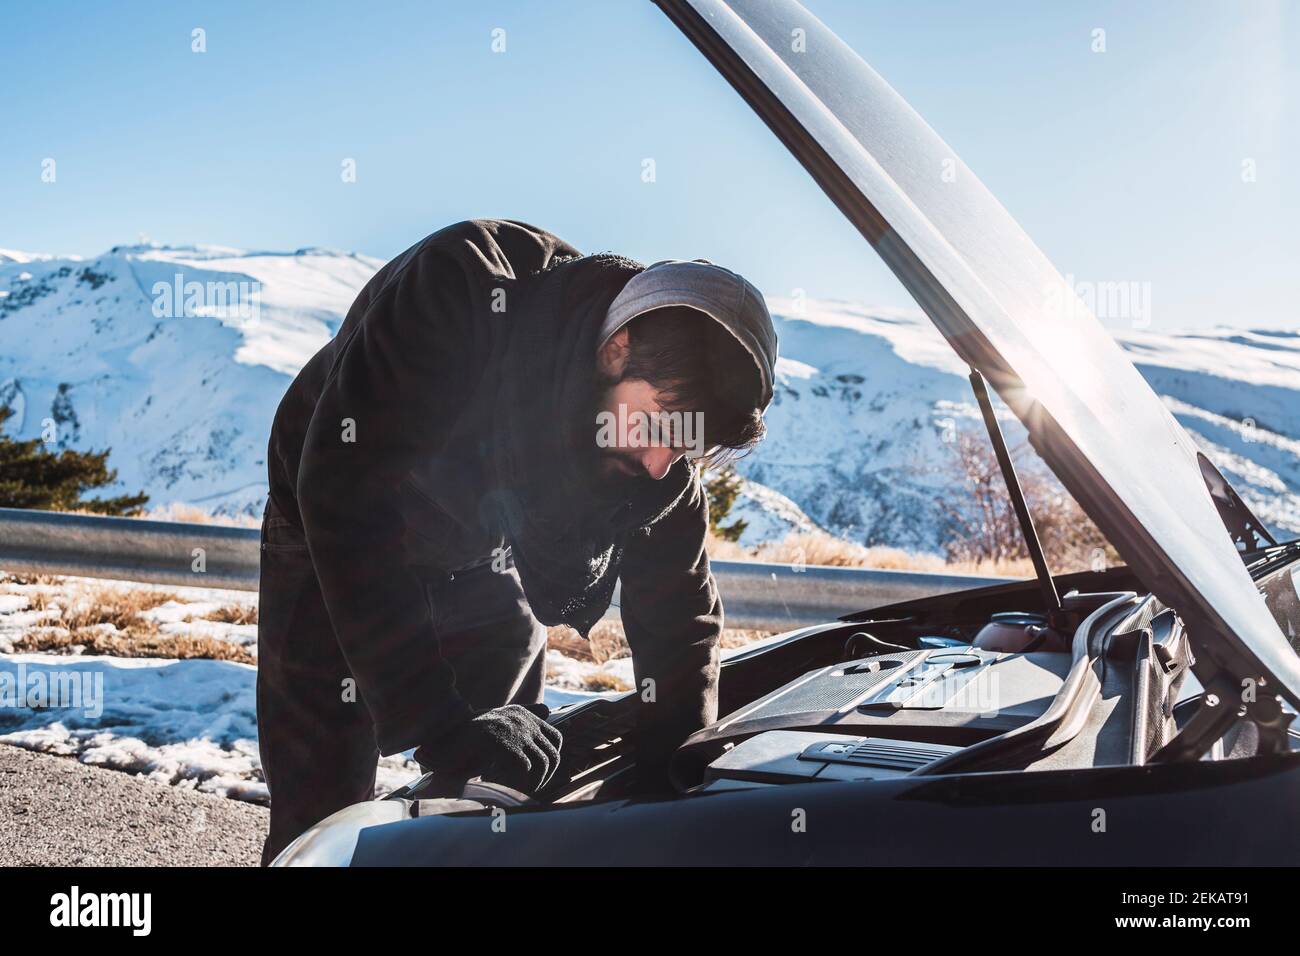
(316, 739)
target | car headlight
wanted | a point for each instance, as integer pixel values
(333, 841)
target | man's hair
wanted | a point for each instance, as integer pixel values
(670, 350)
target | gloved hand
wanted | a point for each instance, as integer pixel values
(511, 745)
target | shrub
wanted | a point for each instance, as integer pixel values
(32, 476)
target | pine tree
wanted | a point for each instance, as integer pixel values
(722, 489)
(31, 476)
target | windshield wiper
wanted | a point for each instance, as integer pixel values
(1051, 599)
(1265, 560)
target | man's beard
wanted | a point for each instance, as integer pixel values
(613, 482)
(610, 483)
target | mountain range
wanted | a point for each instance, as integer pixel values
(176, 357)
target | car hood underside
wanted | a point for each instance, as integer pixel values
(1007, 312)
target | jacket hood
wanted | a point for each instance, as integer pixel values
(737, 308)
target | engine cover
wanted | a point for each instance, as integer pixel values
(949, 696)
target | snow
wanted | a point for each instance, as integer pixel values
(867, 401)
(187, 723)
(190, 723)
(859, 427)
(567, 674)
(768, 514)
(13, 255)
(187, 617)
(185, 398)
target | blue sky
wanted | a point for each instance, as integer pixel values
(1124, 165)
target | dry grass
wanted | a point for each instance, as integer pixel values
(739, 637)
(608, 641)
(27, 580)
(598, 681)
(120, 607)
(604, 682)
(820, 548)
(189, 514)
(186, 514)
(233, 614)
(106, 620)
(41, 601)
(134, 643)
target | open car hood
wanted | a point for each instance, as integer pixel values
(1006, 311)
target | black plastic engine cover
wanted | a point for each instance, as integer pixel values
(951, 696)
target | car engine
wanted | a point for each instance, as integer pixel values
(874, 717)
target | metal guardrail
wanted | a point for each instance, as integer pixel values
(757, 595)
(778, 597)
(129, 549)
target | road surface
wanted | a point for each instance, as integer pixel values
(55, 811)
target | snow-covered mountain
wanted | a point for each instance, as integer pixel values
(860, 430)
(173, 357)
(177, 357)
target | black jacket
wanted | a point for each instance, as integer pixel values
(362, 448)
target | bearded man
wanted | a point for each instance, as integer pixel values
(501, 429)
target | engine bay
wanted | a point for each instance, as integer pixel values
(911, 689)
(862, 700)
(875, 716)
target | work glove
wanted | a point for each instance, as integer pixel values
(510, 745)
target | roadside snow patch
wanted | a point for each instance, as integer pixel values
(186, 723)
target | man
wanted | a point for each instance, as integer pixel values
(467, 461)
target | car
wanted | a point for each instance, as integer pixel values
(1139, 714)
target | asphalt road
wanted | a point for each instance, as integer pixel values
(55, 811)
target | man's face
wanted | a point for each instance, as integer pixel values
(632, 452)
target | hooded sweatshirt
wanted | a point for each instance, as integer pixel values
(379, 453)
(731, 301)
